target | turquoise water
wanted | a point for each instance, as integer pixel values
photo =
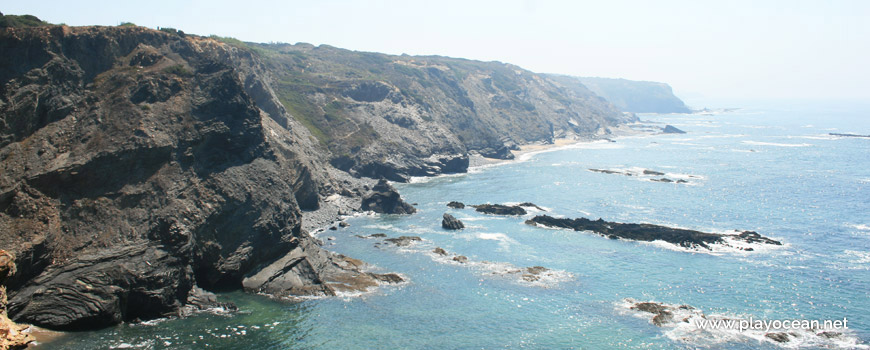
(771, 170)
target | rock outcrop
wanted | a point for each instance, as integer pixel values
(500, 209)
(647, 232)
(449, 222)
(456, 205)
(385, 199)
(670, 129)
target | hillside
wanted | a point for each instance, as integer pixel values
(632, 96)
(385, 116)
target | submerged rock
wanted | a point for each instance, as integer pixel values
(499, 209)
(662, 313)
(530, 205)
(648, 232)
(653, 172)
(403, 241)
(451, 223)
(460, 259)
(385, 199)
(439, 251)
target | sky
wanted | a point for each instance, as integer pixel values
(711, 49)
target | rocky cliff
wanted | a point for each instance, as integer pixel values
(137, 166)
(631, 96)
(399, 116)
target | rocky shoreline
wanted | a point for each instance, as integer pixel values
(648, 233)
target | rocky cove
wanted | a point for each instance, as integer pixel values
(143, 168)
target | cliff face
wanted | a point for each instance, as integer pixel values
(632, 96)
(137, 165)
(386, 116)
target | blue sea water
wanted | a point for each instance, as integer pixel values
(770, 169)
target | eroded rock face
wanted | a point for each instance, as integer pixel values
(137, 165)
(385, 199)
(310, 270)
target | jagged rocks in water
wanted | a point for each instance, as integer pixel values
(533, 273)
(499, 209)
(779, 337)
(460, 259)
(664, 179)
(647, 232)
(403, 241)
(653, 172)
(670, 129)
(848, 135)
(662, 313)
(202, 300)
(456, 205)
(343, 224)
(530, 205)
(385, 199)
(451, 223)
(439, 251)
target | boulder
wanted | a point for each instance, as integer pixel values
(451, 223)
(403, 241)
(385, 199)
(456, 205)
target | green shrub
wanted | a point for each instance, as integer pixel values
(127, 24)
(178, 70)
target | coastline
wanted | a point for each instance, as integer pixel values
(528, 150)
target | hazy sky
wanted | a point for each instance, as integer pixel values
(726, 49)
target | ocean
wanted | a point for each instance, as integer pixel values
(771, 168)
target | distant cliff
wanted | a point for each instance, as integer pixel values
(633, 96)
(399, 116)
(137, 165)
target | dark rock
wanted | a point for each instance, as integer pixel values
(456, 205)
(531, 205)
(451, 223)
(829, 334)
(460, 259)
(377, 235)
(779, 337)
(439, 251)
(403, 241)
(499, 209)
(662, 313)
(755, 237)
(664, 179)
(388, 277)
(605, 171)
(333, 228)
(385, 199)
(648, 232)
(343, 224)
(652, 172)
(681, 181)
(848, 135)
(502, 152)
(670, 129)
(199, 300)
